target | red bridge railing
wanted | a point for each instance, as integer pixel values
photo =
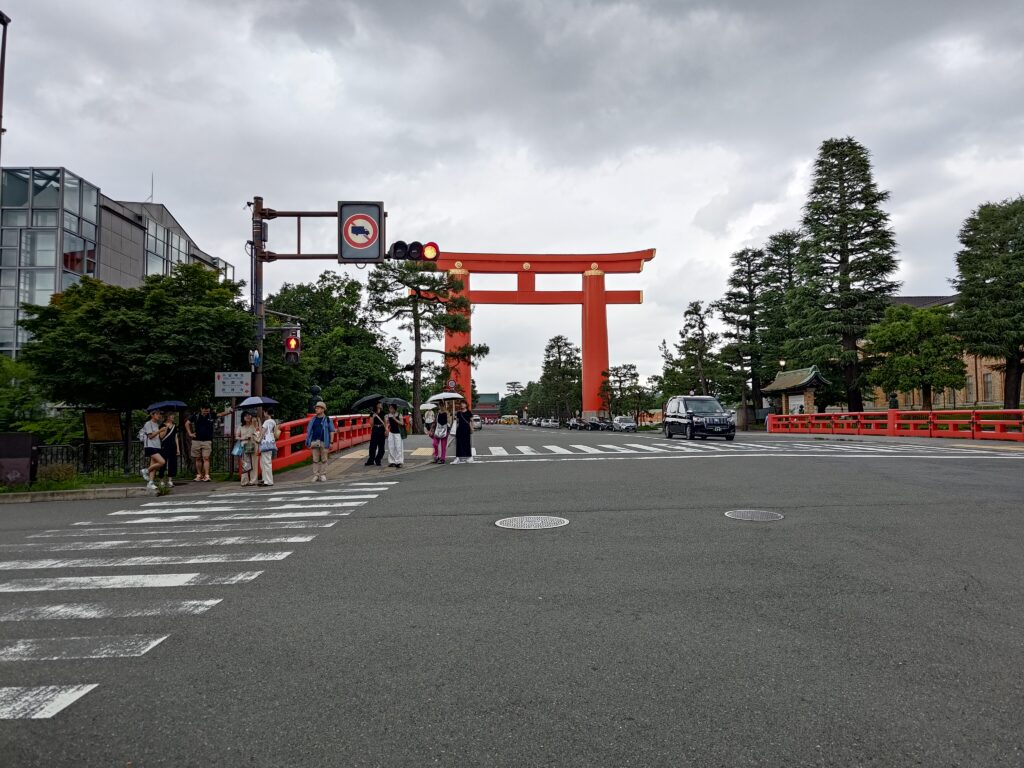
(970, 425)
(291, 446)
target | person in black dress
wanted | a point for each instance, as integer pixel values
(169, 450)
(463, 434)
(378, 436)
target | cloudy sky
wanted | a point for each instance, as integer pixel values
(528, 126)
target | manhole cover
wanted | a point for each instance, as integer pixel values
(757, 515)
(532, 522)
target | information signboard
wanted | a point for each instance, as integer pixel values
(232, 384)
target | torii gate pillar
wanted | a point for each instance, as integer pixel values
(593, 297)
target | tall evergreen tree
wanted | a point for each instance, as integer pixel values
(742, 309)
(778, 279)
(561, 376)
(846, 261)
(426, 303)
(990, 280)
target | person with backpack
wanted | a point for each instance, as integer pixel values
(151, 435)
(269, 433)
(318, 440)
(440, 437)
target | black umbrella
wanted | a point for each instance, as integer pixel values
(364, 402)
(166, 405)
(397, 401)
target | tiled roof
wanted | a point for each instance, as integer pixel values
(801, 378)
(926, 301)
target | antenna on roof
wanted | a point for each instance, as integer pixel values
(150, 198)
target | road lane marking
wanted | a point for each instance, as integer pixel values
(140, 562)
(134, 581)
(651, 448)
(276, 498)
(93, 647)
(215, 541)
(526, 450)
(382, 482)
(557, 449)
(615, 448)
(38, 702)
(224, 518)
(586, 448)
(61, 611)
(56, 533)
(498, 451)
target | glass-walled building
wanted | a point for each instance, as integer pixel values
(56, 227)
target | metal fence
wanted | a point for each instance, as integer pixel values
(107, 459)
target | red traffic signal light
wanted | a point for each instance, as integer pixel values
(292, 349)
(414, 251)
(431, 251)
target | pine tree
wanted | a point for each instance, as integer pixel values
(778, 279)
(990, 280)
(561, 376)
(742, 310)
(844, 269)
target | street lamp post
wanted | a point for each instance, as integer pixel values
(4, 20)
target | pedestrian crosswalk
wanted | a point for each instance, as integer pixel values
(646, 447)
(208, 537)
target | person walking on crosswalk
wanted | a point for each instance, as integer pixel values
(463, 434)
(396, 452)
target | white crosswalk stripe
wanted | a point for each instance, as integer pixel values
(586, 448)
(173, 528)
(205, 510)
(38, 702)
(135, 581)
(137, 562)
(650, 448)
(95, 647)
(60, 611)
(498, 451)
(220, 518)
(270, 499)
(217, 541)
(557, 449)
(616, 448)
(526, 450)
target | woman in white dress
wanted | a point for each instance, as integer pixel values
(396, 452)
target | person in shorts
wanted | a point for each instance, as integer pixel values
(152, 433)
(318, 440)
(200, 431)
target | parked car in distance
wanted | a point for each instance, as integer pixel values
(594, 424)
(623, 424)
(553, 423)
(698, 416)
(575, 423)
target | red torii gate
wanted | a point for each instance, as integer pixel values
(593, 296)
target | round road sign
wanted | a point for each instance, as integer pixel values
(451, 383)
(360, 230)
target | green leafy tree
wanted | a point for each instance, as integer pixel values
(426, 303)
(778, 278)
(844, 270)
(916, 349)
(990, 280)
(561, 377)
(742, 310)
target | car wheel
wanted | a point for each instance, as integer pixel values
(730, 438)
(666, 432)
(689, 431)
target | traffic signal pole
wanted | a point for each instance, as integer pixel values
(257, 291)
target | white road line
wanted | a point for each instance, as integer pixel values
(586, 448)
(134, 581)
(616, 448)
(140, 562)
(225, 518)
(705, 446)
(526, 450)
(204, 510)
(267, 499)
(679, 447)
(55, 533)
(650, 448)
(61, 611)
(382, 482)
(38, 702)
(216, 541)
(498, 451)
(95, 647)
(557, 449)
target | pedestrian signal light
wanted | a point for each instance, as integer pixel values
(292, 350)
(431, 252)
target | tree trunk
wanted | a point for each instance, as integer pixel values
(926, 396)
(417, 371)
(1011, 382)
(851, 371)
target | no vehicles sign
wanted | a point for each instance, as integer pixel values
(360, 232)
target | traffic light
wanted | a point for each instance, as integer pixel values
(292, 350)
(414, 251)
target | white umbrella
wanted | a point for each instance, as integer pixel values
(428, 406)
(445, 396)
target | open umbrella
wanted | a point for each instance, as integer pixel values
(166, 405)
(366, 402)
(428, 406)
(398, 402)
(445, 396)
(251, 401)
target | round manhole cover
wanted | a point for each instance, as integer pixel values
(757, 515)
(532, 522)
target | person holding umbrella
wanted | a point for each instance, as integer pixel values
(151, 434)
(378, 435)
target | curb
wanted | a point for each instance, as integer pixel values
(82, 494)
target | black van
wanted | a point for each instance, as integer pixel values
(697, 416)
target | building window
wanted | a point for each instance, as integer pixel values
(38, 248)
(10, 237)
(15, 219)
(72, 193)
(15, 189)
(45, 188)
(44, 218)
(90, 201)
(969, 389)
(8, 257)
(37, 286)
(988, 390)
(74, 253)
(70, 222)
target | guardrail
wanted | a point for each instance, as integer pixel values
(291, 446)
(968, 425)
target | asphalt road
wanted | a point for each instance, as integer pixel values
(879, 623)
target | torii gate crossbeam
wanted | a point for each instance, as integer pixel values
(593, 297)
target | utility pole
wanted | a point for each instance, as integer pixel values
(259, 229)
(4, 20)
